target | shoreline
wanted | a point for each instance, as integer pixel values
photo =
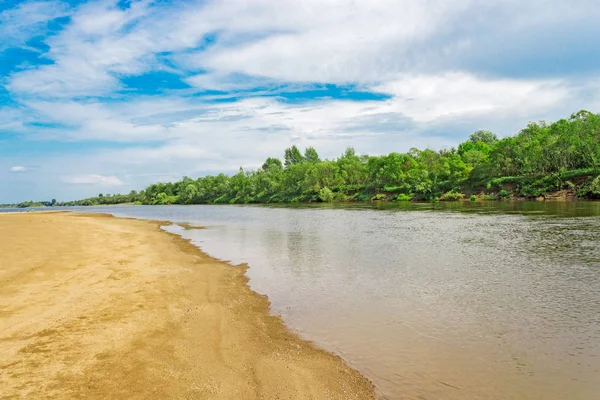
(108, 307)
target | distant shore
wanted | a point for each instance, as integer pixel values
(101, 307)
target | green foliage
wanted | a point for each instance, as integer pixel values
(482, 136)
(539, 159)
(311, 155)
(29, 204)
(576, 173)
(452, 196)
(272, 164)
(292, 156)
(101, 200)
(532, 191)
(326, 195)
(473, 197)
(164, 199)
(404, 197)
(594, 187)
(379, 197)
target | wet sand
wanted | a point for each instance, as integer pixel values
(102, 307)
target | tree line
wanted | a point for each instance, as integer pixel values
(542, 158)
(30, 204)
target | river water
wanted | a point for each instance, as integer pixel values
(488, 301)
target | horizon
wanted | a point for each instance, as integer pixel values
(111, 96)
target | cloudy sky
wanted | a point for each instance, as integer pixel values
(109, 96)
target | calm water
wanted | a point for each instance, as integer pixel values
(493, 301)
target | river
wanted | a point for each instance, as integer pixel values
(495, 300)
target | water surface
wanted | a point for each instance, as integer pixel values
(485, 301)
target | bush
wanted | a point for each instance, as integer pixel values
(594, 187)
(379, 197)
(531, 191)
(361, 196)
(326, 195)
(575, 173)
(404, 197)
(348, 188)
(396, 189)
(473, 197)
(452, 195)
(340, 197)
(164, 199)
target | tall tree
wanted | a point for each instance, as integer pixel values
(311, 155)
(272, 163)
(486, 137)
(292, 156)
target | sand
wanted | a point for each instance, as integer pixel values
(101, 307)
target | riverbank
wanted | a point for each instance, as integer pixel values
(102, 307)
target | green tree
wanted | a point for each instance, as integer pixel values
(587, 131)
(272, 163)
(292, 156)
(539, 158)
(189, 194)
(482, 136)
(351, 168)
(311, 155)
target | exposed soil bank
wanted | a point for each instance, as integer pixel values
(102, 307)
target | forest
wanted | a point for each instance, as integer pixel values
(543, 160)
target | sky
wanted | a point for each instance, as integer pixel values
(110, 96)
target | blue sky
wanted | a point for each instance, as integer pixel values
(109, 96)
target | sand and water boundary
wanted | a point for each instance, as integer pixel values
(93, 306)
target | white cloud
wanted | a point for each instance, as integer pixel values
(314, 41)
(428, 97)
(371, 42)
(368, 43)
(18, 168)
(228, 82)
(294, 41)
(93, 179)
(88, 54)
(30, 18)
(224, 126)
(403, 48)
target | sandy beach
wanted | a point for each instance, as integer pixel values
(93, 306)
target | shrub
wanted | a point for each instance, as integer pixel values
(452, 195)
(577, 173)
(594, 187)
(340, 197)
(396, 189)
(379, 197)
(531, 191)
(221, 199)
(362, 196)
(473, 197)
(163, 199)
(326, 195)
(404, 197)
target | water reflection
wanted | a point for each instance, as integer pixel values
(493, 300)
